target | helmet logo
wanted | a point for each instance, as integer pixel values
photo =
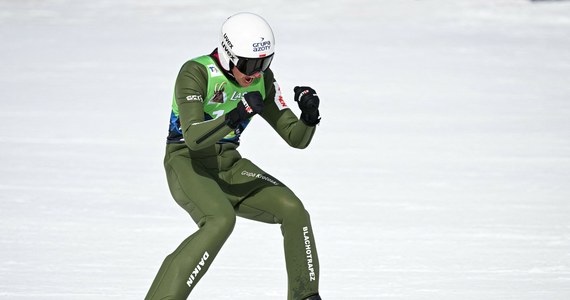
(263, 45)
(225, 43)
(227, 39)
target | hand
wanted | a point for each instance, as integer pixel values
(251, 104)
(308, 102)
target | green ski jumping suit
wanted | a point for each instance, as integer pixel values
(209, 179)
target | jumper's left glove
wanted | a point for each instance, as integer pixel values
(308, 102)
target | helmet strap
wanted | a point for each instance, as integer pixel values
(230, 73)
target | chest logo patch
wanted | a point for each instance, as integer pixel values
(214, 71)
(219, 96)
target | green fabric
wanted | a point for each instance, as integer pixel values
(192, 83)
(223, 95)
(214, 184)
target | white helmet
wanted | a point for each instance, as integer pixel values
(247, 42)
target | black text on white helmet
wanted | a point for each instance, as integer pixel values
(245, 35)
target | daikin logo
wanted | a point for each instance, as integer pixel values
(197, 269)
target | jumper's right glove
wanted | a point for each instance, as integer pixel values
(308, 102)
(251, 104)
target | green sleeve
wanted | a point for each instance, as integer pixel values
(190, 92)
(284, 121)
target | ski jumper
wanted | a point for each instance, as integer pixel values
(210, 180)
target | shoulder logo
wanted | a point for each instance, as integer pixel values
(279, 98)
(197, 98)
(214, 71)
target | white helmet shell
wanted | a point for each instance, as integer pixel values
(245, 35)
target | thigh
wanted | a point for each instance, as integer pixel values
(245, 179)
(271, 205)
(195, 189)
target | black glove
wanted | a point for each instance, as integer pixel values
(251, 104)
(308, 102)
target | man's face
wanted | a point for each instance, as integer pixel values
(245, 80)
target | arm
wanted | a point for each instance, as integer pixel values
(295, 132)
(190, 90)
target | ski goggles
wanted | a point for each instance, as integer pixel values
(250, 66)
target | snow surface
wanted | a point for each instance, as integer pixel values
(440, 170)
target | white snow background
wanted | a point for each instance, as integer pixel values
(440, 170)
